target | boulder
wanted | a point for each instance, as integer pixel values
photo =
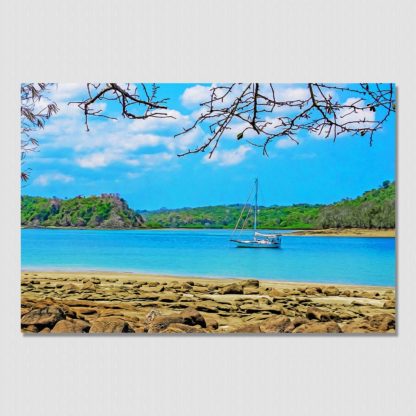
(275, 324)
(70, 326)
(161, 322)
(110, 325)
(169, 297)
(316, 313)
(232, 289)
(191, 316)
(248, 329)
(178, 328)
(389, 304)
(312, 291)
(382, 321)
(331, 291)
(250, 283)
(318, 327)
(276, 293)
(44, 316)
(250, 290)
(211, 323)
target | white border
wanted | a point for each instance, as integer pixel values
(193, 41)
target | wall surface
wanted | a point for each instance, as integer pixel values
(194, 41)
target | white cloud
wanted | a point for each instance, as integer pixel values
(150, 159)
(285, 143)
(361, 118)
(176, 120)
(228, 157)
(67, 91)
(98, 159)
(195, 95)
(45, 179)
(291, 93)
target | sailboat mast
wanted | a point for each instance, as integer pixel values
(256, 184)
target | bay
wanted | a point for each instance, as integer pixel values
(208, 253)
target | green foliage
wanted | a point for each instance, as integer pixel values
(104, 211)
(374, 209)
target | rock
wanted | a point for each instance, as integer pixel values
(232, 289)
(31, 329)
(346, 293)
(70, 326)
(316, 313)
(200, 289)
(299, 320)
(248, 329)
(44, 316)
(151, 316)
(331, 291)
(87, 311)
(191, 316)
(383, 321)
(160, 323)
(110, 325)
(250, 283)
(177, 328)
(250, 290)
(389, 304)
(211, 323)
(70, 288)
(318, 327)
(169, 297)
(275, 324)
(276, 293)
(212, 288)
(210, 307)
(181, 286)
(311, 291)
(368, 295)
(153, 284)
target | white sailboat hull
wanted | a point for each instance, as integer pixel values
(256, 244)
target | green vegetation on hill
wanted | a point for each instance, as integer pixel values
(374, 209)
(104, 211)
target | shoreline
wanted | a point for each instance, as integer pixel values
(348, 232)
(330, 232)
(115, 302)
(123, 274)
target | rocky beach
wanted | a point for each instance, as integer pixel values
(107, 302)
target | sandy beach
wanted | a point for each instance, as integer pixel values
(345, 232)
(111, 302)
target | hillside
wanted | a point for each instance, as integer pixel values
(104, 211)
(373, 209)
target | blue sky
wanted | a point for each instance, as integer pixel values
(138, 159)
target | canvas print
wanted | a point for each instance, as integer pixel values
(209, 208)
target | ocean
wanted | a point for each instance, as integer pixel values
(208, 253)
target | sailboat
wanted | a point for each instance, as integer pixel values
(259, 240)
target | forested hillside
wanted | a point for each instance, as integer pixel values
(374, 209)
(104, 211)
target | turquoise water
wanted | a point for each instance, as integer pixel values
(368, 261)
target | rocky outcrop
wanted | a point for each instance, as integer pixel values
(54, 303)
